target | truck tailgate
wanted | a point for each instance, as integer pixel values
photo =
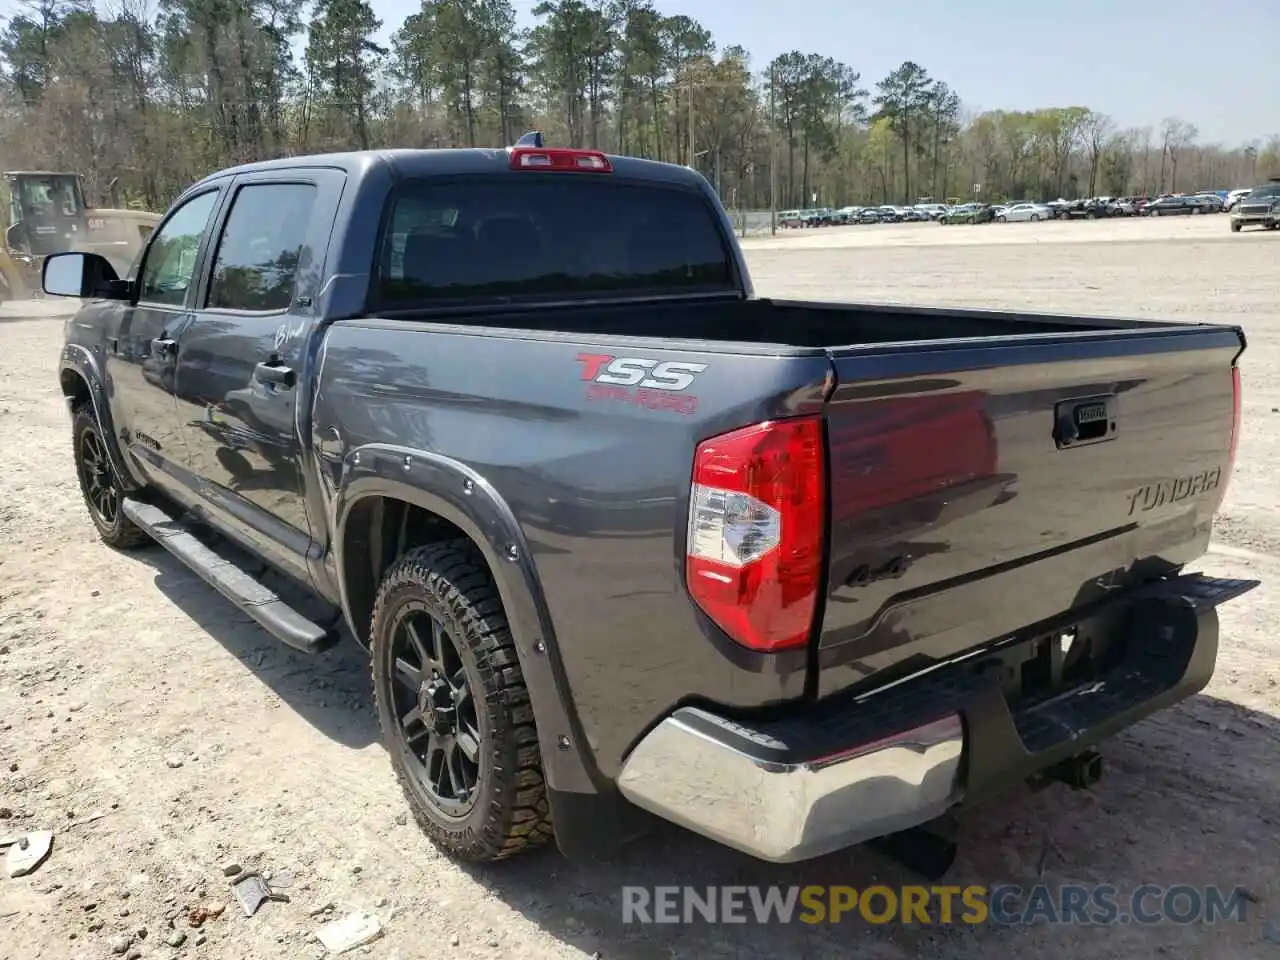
(978, 489)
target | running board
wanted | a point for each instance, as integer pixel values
(261, 603)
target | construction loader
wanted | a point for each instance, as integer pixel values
(44, 212)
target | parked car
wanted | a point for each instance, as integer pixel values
(1020, 212)
(870, 215)
(1173, 206)
(1234, 197)
(616, 534)
(1093, 208)
(1260, 208)
(1209, 202)
(969, 213)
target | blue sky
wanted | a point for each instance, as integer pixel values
(1138, 60)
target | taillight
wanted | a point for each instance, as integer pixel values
(757, 515)
(583, 161)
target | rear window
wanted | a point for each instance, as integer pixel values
(532, 236)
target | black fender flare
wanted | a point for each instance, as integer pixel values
(80, 361)
(457, 493)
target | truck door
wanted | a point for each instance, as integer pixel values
(142, 342)
(241, 372)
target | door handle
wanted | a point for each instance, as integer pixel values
(163, 347)
(273, 371)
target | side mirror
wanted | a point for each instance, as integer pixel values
(84, 275)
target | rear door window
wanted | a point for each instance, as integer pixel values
(256, 263)
(532, 236)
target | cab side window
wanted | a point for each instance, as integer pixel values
(170, 261)
(261, 247)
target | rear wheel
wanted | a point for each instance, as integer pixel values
(455, 713)
(101, 487)
(1235, 228)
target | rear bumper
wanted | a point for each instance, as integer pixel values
(792, 789)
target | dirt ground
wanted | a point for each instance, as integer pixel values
(131, 692)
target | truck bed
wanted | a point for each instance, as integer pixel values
(791, 323)
(955, 514)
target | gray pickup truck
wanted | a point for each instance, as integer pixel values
(623, 539)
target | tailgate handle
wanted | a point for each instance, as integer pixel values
(1085, 420)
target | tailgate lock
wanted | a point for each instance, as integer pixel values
(1084, 420)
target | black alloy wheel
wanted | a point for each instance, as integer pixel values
(453, 706)
(437, 713)
(101, 487)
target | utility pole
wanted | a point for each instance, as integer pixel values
(692, 154)
(773, 159)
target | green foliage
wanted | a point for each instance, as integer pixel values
(143, 104)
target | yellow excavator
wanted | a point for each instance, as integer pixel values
(44, 212)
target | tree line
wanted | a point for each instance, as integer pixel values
(143, 103)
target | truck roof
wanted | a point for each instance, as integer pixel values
(407, 163)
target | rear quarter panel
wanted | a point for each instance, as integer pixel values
(596, 474)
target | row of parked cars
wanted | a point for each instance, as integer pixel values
(1092, 208)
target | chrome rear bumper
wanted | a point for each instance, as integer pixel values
(784, 811)
(845, 771)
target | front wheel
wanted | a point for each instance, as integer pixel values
(101, 487)
(1235, 228)
(453, 706)
(1002, 220)
(1035, 218)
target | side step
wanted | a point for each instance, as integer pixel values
(262, 604)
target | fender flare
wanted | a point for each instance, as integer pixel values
(80, 361)
(458, 494)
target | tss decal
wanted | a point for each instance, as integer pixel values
(640, 381)
(640, 372)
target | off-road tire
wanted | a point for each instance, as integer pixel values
(511, 813)
(117, 531)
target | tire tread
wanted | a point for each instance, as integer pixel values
(126, 535)
(519, 815)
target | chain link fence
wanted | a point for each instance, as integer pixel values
(750, 222)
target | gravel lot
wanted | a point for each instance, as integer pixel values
(131, 690)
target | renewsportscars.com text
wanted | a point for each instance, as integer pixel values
(1005, 904)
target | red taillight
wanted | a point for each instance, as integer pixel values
(582, 161)
(757, 515)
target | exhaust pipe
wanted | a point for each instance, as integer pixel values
(1079, 772)
(923, 851)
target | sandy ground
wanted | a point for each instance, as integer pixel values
(130, 690)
